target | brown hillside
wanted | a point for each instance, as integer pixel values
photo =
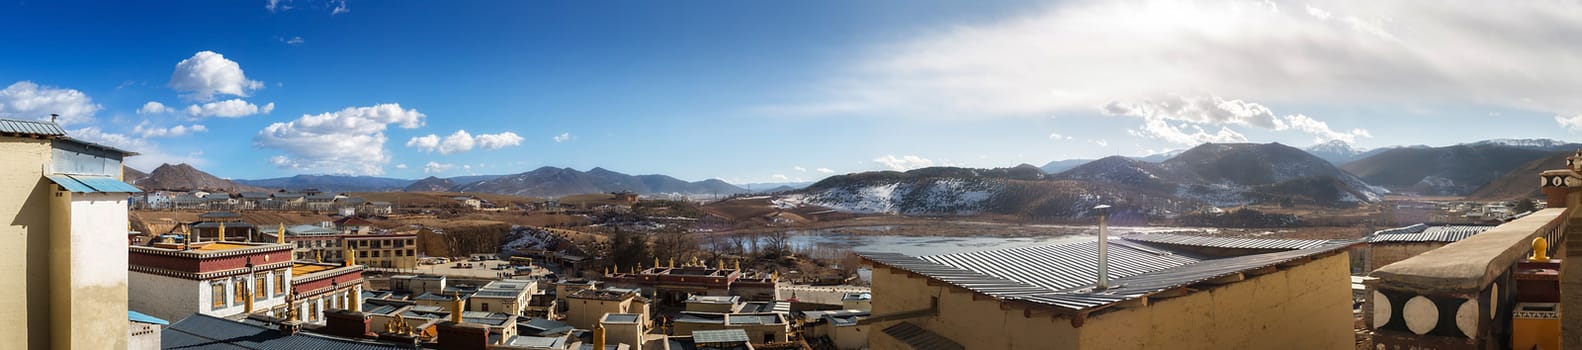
(1521, 182)
(183, 177)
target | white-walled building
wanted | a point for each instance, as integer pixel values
(173, 280)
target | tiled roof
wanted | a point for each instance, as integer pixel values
(1426, 233)
(11, 126)
(208, 332)
(919, 338)
(1223, 242)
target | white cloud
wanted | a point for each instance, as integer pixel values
(208, 74)
(400, 166)
(293, 41)
(461, 141)
(147, 130)
(1058, 136)
(1075, 56)
(349, 141)
(340, 7)
(1194, 113)
(1100, 142)
(29, 101)
(825, 170)
(1574, 123)
(435, 168)
(799, 168)
(908, 162)
(563, 137)
(780, 177)
(233, 108)
(277, 5)
(153, 107)
(498, 141)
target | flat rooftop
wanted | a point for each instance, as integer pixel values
(621, 318)
(219, 246)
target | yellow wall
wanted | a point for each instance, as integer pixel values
(586, 313)
(1304, 307)
(24, 221)
(976, 324)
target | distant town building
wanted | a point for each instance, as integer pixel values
(673, 285)
(585, 308)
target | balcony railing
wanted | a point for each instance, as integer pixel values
(1458, 296)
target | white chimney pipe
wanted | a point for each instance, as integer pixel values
(1104, 245)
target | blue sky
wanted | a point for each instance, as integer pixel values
(770, 91)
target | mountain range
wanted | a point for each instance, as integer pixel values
(546, 181)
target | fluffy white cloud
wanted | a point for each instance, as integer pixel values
(1193, 113)
(435, 168)
(1075, 56)
(29, 101)
(400, 166)
(349, 141)
(498, 141)
(563, 137)
(293, 41)
(799, 168)
(461, 141)
(207, 74)
(1572, 122)
(825, 170)
(908, 162)
(154, 107)
(340, 7)
(233, 108)
(147, 130)
(277, 5)
(1058, 136)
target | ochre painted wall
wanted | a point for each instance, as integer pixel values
(24, 223)
(976, 324)
(1305, 307)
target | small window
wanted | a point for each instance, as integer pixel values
(239, 294)
(217, 289)
(261, 290)
(485, 307)
(280, 283)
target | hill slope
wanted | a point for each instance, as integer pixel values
(1450, 170)
(1519, 183)
(430, 184)
(132, 175)
(549, 181)
(185, 177)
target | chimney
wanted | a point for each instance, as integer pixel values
(1104, 248)
(53, 116)
(347, 323)
(461, 336)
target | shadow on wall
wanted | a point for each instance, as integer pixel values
(34, 217)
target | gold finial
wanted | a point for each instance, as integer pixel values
(455, 307)
(351, 255)
(222, 232)
(672, 262)
(656, 261)
(606, 271)
(280, 234)
(1575, 162)
(738, 265)
(318, 256)
(1540, 250)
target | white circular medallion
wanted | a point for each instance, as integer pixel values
(1494, 300)
(1421, 315)
(1381, 310)
(1467, 318)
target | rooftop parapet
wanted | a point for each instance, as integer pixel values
(1470, 265)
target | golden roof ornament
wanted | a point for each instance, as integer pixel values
(1574, 162)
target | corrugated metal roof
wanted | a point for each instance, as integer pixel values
(1426, 233)
(201, 331)
(1224, 242)
(919, 338)
(720, 336)
(1063, 275)
(92, 184)
(1062, 266)
(135, 316)
(12, 126)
